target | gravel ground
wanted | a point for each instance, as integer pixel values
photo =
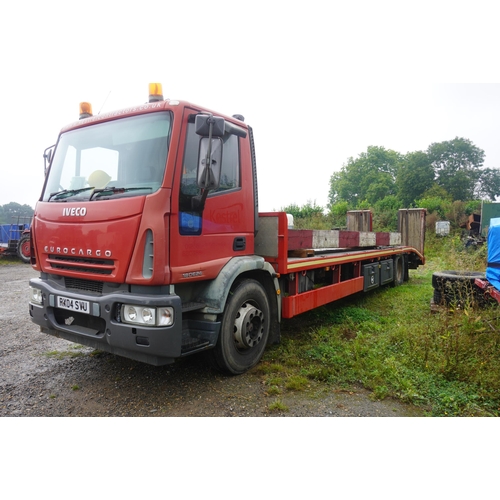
(43, 376)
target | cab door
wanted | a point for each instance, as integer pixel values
(203, 241)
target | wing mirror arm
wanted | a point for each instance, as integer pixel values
(47, 158)
(210, 157)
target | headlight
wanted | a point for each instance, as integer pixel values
(36, 296)
(147, 316)
(130, 313)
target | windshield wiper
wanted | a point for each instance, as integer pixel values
(69, 192)
(116, 190)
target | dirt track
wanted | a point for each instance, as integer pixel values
(46, 376)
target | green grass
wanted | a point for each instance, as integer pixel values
(74, 351)
(9, 260)
(278, 406)
(390, 342)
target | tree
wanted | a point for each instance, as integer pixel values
(457, 165)
(11, 211)
(415, 176)
(385, 213)
(447, 171)
(489, 184)
(436, 200)
(370, 177)
(334, 195)
(338, 214)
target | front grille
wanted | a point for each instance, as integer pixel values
(85, 285)
(82, 265)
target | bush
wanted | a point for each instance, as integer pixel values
(309, 210)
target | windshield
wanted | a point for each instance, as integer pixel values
(125, 157)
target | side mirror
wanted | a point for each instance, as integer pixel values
(47, 157)
(203, 123)
(209, 167)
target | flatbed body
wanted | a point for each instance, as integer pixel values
(342, 267)
(488, 288)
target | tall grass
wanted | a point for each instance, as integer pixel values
(391, 342)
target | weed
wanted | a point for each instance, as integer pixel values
(75, 387)
(318, 373)
(71, 353)
(277, 368)
(296, 383)
(380, 392)
(97, 353)
(274, 390)
(274, 381)
(278, 406)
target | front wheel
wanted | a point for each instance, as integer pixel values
(244, 329)
(23, 248)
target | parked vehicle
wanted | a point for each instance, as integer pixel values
(150, 244)
(15, 238)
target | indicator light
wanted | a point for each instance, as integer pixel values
(85, 110)
(155, 92)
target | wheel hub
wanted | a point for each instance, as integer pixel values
(248, 326)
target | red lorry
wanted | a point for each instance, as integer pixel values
(150, 244)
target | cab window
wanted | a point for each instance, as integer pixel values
(190, 221)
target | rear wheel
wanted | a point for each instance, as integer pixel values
(244, 329)
(399, 270)
(23, 248)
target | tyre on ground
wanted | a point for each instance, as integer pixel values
(244, 329)
(399, 270)
(457, 288)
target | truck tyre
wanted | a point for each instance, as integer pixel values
(399, 270)
(457, 287)
(244, 329)
(437, 297)
(23, 248)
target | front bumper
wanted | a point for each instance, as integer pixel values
(101, 329)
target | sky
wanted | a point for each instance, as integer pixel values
(318, 81)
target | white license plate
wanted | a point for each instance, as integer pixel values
(81, 306)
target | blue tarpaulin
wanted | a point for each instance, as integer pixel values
(493, 269)
(11, 232)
